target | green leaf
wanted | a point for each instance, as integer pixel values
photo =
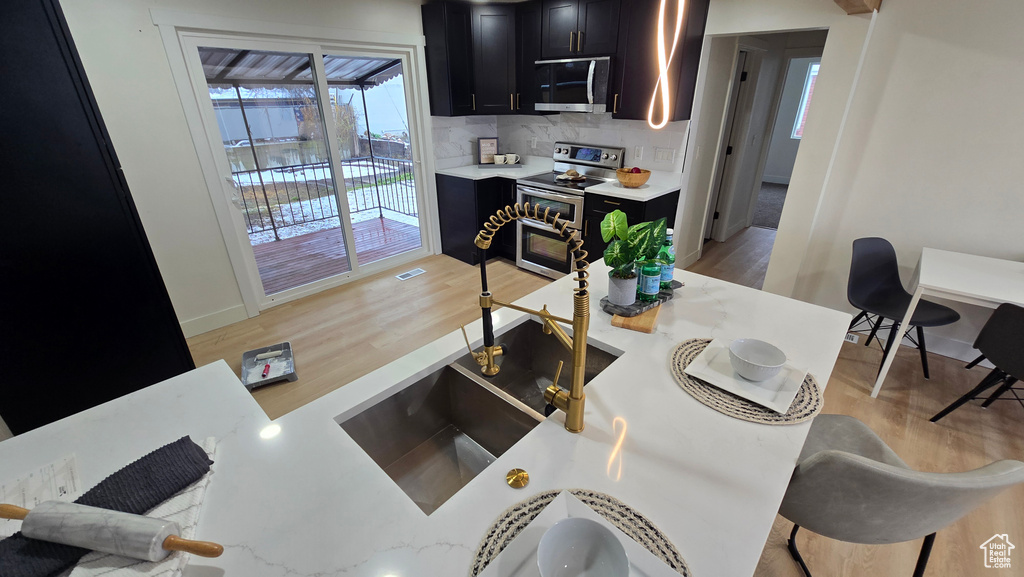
(618, 254)
(614, 225)
(640, 241)
(658, 227)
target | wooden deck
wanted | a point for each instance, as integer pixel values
(300, 260)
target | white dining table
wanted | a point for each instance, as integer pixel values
(967, 278)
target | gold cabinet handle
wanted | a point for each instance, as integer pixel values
(474, 101)
(610, 202)
(511, 101)
(615, 105)
(579, 42)
(572, 38)
(586, 227)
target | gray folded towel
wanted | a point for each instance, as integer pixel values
(136, 488)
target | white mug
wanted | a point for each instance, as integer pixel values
(512, 158)
(499, 159)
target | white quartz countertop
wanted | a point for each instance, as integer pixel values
(659, 184)
(532, 166)
(310, 501)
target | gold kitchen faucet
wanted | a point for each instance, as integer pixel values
(571, 402)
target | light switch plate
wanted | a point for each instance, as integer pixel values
(664, 154)
(533, 142)
(638, 153)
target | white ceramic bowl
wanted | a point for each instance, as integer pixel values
(579, 547)
(756, 360)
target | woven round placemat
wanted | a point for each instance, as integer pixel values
(510, 523)
(808, 401)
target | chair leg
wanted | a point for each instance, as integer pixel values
(988, 382)
(860, 316)
(1010, 381)
(924, 352)
(922, 559)
(894, 335)
(975, 362)
(874, 329)
(795, 553)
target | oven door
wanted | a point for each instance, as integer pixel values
(542, 250)
(569, 207)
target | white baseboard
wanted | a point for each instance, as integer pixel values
(688, 259)
(775, 179)
(939, 345)
(200, 325)
(5, 433)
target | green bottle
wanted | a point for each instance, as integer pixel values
(650, 281)
(667, 257)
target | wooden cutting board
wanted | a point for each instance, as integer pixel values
(644, 322)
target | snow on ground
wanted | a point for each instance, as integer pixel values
(312, 173)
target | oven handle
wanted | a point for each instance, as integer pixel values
(540, 225)
(570, 198)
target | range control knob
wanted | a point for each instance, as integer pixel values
(615, 157)
(604, 156)
(561, 150)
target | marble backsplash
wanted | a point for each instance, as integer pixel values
(455, 138)
(517, 134)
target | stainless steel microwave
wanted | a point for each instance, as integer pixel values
(573, 85)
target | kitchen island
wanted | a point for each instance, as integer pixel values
(309, 500)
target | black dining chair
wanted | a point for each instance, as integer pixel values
(1001, 341)
(876, 289)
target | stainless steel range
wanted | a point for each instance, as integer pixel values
(541, 249)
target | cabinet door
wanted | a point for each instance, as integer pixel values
(598, 24)
(635, 66)
(559, 28)
(457, 211)
(530, 25)
(447, 28)
(507, 195)
(494, 58)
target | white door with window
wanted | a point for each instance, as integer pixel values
(314, 150)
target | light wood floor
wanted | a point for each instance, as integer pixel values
(743, 259)
(344, 333)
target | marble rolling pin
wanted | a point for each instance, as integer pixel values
(106, 531)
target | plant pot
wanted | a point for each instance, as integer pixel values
(621, 291)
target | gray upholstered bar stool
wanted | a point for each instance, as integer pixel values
(849, 485)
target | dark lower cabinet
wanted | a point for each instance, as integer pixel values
(86, 316)
(463, 206)
(635, 68)
(596, 206)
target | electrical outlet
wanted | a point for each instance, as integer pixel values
(664, 154)
(638, 153)
(533, 142)
(852, 338)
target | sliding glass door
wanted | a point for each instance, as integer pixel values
(320, 154)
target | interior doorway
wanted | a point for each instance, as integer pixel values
(768, 91)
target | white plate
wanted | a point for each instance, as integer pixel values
(519, 558)
(713, 366)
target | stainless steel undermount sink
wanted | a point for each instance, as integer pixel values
(529, 367)
(435, 435)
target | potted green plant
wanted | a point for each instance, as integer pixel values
(639, 242)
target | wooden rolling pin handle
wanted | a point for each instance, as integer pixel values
(201, 548)
(12, 512)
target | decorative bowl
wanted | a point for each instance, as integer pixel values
(632, 179)
(581, 547)
(756, 360)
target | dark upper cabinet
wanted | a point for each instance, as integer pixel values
(86, 316)
(494, 58)
(529, 25)
(448, 29)
(635, 65)
(577, 28)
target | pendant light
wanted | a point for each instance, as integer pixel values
(661, 87)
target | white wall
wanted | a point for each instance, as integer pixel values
(128, 69)
(783, 147)
(931, 152)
